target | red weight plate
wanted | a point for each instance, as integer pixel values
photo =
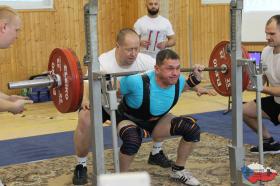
(219, 57)
(68, 96)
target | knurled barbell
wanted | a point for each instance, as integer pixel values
(66, 80)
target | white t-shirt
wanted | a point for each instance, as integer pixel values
(272, 61)
(155, 30)
(109, 64)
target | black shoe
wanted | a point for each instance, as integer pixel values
(80, 175)
(268, 148)
(160, 159)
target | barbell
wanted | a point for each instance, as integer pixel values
(66, 80)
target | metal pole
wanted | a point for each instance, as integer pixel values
(113, 103)
(236, 150)
(259, 119)
(91, 59)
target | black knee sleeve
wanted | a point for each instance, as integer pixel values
(186, 127)
(132, 138)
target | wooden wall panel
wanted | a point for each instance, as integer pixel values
(254, 46)
(198, 28)
(42, 31)
(178, 16)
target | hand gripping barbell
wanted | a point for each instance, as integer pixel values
(66, 80)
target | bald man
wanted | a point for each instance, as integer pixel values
(156, 31)
(124, 57)
(10, 25)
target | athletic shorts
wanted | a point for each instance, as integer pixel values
(271, 108)
(146, 125)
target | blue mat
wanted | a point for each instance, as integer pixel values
(219, 124)
(35, 148)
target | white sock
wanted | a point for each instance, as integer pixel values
(82, 161)
(156, 147)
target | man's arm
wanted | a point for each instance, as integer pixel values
(202, 90)
(170, 42)
(144, 43)
(14, 107)
(193, 81)
(4, 96)
(273, 91)
(5, 105)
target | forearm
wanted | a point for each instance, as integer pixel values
(6, 106)
(4, 96)
(197, 88)
(273, 91)
(171, 41)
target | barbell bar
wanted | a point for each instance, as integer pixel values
(66, 80)
(50, 80)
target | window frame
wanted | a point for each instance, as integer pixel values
(29, 4)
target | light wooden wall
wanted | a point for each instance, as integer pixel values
(42, 31)
(198, 28)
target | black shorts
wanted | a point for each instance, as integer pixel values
(271, 108)
(146, 125)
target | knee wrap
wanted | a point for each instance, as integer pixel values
(132, 139)
(186, 127)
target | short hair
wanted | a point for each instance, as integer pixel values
(7, 13)
(274, 18)
(149, 0)
(123, 32)
(165, 54)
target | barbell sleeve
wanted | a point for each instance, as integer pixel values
(44, 82)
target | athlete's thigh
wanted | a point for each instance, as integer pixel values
(250, 109)
(162, 129)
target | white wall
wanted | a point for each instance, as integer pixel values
(255, 15)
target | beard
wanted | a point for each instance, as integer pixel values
(153, 11)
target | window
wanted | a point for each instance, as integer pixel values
(254, 17)
(28, 4)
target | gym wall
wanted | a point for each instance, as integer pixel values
(63, 26)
